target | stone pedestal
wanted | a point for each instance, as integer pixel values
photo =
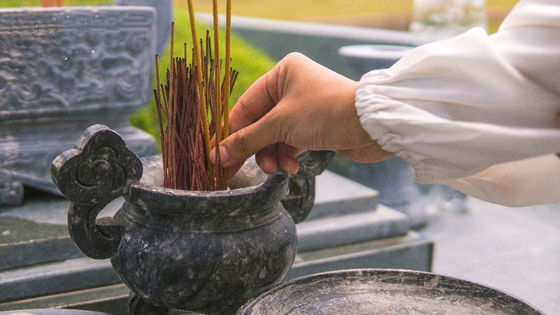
(347, 228)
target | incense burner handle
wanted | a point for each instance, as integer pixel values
(98, 170)
(301, 196)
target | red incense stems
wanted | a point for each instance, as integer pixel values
(58, 3)
(227, 79)
(193, 93)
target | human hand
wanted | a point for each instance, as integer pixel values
(299, 105)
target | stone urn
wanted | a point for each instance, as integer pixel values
(61, 71)
(206, 252)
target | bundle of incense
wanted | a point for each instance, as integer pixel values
(55, 3)
(194, 92)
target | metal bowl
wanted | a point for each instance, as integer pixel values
(376, 291)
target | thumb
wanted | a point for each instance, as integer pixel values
(239, 146)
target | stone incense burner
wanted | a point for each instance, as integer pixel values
(199, 251)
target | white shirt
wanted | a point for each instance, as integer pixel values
(476, 112)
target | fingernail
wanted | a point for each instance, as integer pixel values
(293, 169)
(224, 156)
(264, 165)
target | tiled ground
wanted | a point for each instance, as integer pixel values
(516, 250)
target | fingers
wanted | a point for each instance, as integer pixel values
(287, 158)
(258, 100)
(242, 144)
(255, 103)
(280, 156)
(266, 159)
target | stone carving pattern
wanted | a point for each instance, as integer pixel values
(99, 169)
(60, 60)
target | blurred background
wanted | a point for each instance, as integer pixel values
(385, 14)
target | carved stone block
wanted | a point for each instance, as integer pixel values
(64, 69)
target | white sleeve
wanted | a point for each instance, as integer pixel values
(456, 107)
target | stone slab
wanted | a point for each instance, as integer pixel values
(411, 251)
(352, 228)
(57, 277)
(337, 195)
(37, 251)
(82, 299)
(36, 232)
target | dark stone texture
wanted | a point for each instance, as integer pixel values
(99, 169)
(376, 291)
(199, 251)
(301, 198)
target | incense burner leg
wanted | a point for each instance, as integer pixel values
(139, 306)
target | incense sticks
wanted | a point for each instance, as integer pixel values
(58, 3)
(194, 92)
(228, 73)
